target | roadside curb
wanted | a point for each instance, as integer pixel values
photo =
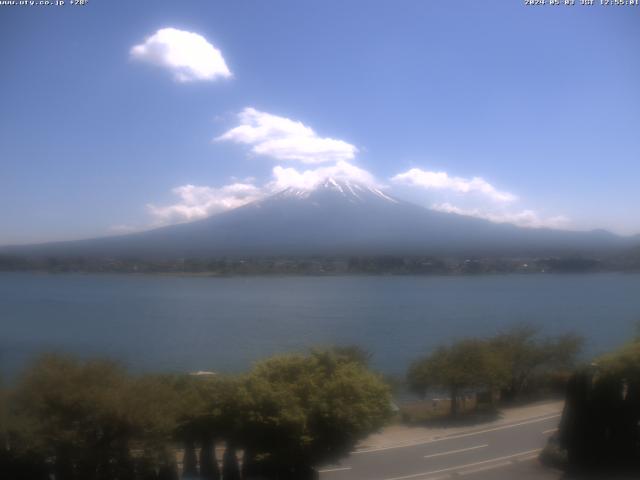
(461, 433)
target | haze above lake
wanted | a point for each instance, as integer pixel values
(170, 323)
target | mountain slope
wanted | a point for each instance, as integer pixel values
(336, 218)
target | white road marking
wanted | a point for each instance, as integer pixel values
(339, 469)
(484, 468)
(503, 427)
(460, 467)
(527, 458)
(451, 452)
(551, 430)
(453, 437)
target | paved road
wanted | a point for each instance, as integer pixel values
(495, 452)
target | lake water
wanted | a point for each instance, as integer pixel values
(224, 324)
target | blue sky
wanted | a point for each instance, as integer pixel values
(119, 116)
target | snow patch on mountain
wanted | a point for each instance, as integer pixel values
(348, 189)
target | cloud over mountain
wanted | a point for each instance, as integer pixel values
(443, 181)
(196, 202)
(308, 179)
(284, 139)
(522, 218)
(189, 56)
(474, 197)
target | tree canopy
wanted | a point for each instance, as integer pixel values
(87, 414)
(526, 354)
(306, 409)
(466, 364)
(79, 419)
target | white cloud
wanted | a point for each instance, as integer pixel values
(478, 197)
(308, 179)
(197, 202)
(443, 181)
(285, 139)
(523, 218)
(188, 55)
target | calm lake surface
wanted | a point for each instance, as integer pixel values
(224, 324)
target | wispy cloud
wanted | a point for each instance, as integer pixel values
(196, 202)
(189, 56)
(522, 218)
(284, 139)
(475, 197)
(443, 181)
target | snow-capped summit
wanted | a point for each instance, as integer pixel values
(348, 189)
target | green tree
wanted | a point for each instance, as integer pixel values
(527, 355)
(301, 410)
(623, 363)
(207, 412)
(88, 416)
(463, 365)
(75, 414)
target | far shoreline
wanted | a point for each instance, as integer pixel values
(214, 275)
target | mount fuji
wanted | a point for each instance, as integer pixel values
(337, 217)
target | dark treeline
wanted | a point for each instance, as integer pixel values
(599, 431)
(379, 264)
(68, 419)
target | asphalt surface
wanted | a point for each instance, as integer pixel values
(495, 452)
